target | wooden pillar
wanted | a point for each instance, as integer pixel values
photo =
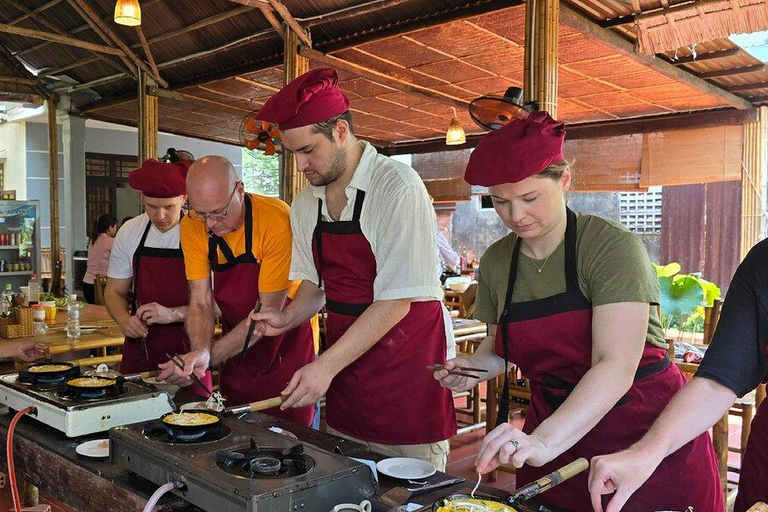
(753, 176)
(294, 65)
(53, 181)
(148, 113)
(541, 43)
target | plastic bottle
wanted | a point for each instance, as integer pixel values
(73, 317)
(34, 290)
(7, 297)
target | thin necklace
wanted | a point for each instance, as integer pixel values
(540, 268)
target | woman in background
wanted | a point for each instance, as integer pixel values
(102, 238)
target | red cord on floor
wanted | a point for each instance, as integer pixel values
(9, 454)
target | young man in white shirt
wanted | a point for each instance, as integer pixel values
(364, 245)
(147, 259)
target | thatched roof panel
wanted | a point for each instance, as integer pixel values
(462, 57)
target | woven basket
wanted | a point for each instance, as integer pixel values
(19, 325)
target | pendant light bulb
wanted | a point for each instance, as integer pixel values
(455, 134)
(128, 12)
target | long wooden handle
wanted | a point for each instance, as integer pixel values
(548, 481)
(265, 404)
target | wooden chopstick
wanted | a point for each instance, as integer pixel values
(179, 362)
(438, 367)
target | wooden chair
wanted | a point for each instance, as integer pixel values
(99, 284)
(519, 398)
(711, 317)
(467, 301)
(474, 404)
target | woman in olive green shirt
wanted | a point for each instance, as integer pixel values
(568, 299)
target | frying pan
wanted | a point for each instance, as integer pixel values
(526, 492)
(190, 430)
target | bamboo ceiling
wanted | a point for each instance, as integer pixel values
(222, 58)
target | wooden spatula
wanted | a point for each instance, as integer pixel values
(399, 495)
(255, 406)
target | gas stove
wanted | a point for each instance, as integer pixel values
(240, 467)
(78, 414)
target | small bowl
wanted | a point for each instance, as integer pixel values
(459, 287)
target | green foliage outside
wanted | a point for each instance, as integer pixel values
(261, 173)
(683, 298)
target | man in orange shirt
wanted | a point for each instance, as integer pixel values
(245, 240)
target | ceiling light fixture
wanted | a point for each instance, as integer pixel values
(455, 134)
(128, 12)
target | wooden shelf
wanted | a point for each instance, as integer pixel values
(18, 273)
(9, 247)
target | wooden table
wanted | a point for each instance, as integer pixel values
(107, 335)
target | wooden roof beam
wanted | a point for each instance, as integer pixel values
(301, 32)
(382, 78)
(579, 22)
(147, 51)
(617, 22)
(732, 71)
(55, 38)
(747, 87)
(16, 80)
(92, 16)
(196, 100)
(35, 11)
(73, 65)
(602, 129)
(58, 30)
(690, 59)
(256, 84)
(79, 29)
(7, 57)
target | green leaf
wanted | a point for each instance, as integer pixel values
(667, 270)
(711, 291)
(681, 295)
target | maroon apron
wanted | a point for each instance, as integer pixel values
(753, 480)
(387, 395)
(158, 276)
(551, 341)
(270, 362)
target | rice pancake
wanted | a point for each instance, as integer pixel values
(473, 505)
(49, 368)
(190, 419)
(90, 382)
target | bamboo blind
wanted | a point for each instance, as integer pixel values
(294, 66)
(753, 181)
(699, 155)
(541, 36)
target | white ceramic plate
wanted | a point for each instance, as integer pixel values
(406, 468)
(98, 448)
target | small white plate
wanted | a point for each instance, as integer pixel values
(406, 468)
(98, 448)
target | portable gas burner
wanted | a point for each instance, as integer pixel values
(81, 411)
(238, 467)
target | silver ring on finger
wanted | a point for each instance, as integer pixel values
(515, 443)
